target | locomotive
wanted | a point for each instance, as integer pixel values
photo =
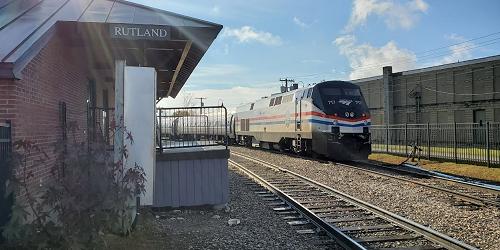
(329, 119)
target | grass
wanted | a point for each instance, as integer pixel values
(471, 154)
(467, 170)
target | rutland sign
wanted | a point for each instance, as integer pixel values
(139, 32)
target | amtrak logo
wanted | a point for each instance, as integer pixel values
(345, 102)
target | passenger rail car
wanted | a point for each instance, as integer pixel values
(329, 118)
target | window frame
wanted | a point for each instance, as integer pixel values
(277, 100)
(271, 102)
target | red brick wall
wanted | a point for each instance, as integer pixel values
(32, 103)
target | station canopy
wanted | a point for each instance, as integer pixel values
(107, 31)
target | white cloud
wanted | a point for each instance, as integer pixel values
(366, 60)
(231, 97)
(461, 51)
(299, 22)
(248, 34)
(394, 13)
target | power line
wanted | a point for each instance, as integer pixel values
(286, 80)
(425, 54)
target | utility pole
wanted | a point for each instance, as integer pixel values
(201, 100)
(286, 80)
(201, 103)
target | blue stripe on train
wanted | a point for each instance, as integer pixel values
(315, 121)
(339, 123)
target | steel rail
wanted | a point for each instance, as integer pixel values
(341, 238)
(428, 233)
(465, 197)
(465, 183)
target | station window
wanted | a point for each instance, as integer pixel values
(271, 103)
(277, 101)
(251, 106)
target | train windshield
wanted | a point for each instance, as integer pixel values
(342, 101)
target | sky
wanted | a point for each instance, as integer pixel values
(311, 41)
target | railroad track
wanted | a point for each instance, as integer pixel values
(467, 193)
(352, 223)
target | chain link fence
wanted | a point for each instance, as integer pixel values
(476, 143)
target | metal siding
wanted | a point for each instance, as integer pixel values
(13, 35)
(121, 13)
(97, 12)
(224, 180)
(14, 9)
(183, 181)
(142, 16)
(175, 183)
(69, 12)
(198, 182)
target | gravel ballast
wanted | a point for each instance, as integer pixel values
(259, 226)
(480, 228)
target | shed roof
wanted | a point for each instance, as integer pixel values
(25, 26)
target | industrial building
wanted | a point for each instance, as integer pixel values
(462, 92)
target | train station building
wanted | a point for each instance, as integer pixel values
(65, 62)
(462, 92)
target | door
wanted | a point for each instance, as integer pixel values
(298, 114)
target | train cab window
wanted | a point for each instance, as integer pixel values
(303, 94)
(271, 103)
(331, 91)
(309, 93)
(251, 106)
(277, 101)
(352, 92)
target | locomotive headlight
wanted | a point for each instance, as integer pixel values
(352, 114)
(346, 114)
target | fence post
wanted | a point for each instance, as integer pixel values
(428, 142)
(455, 142)
(387, 138)
(159, 133)
(406, 139)
(488, 143)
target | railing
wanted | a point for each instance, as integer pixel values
(5, 141)
(191, 127)
(476, 143)
(100, 125)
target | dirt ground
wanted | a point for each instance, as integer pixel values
(260, 227)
